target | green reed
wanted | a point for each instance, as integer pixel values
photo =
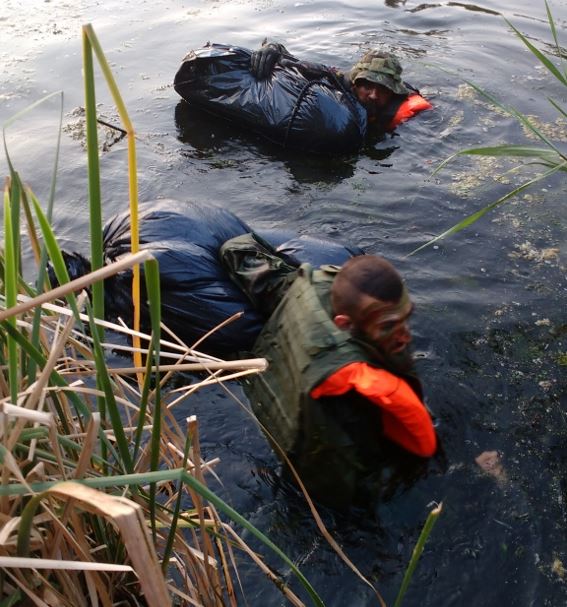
(68, 416)
(550, 157)
(416, 554)
(122, 464)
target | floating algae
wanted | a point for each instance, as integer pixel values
(529, 252)
(108, 135)
(484, 171)
(556, 131)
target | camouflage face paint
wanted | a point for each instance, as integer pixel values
(385, 324)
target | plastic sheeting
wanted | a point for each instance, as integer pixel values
(312, 115)
(197, 293)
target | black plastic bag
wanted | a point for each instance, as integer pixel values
(197, 293)
(312, 115)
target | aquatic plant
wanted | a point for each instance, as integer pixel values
(417, 551)
(552, 158)
(103, 496)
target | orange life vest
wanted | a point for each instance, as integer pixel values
(405, 420)
(411, 106)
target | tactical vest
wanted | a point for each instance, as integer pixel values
(326, 439)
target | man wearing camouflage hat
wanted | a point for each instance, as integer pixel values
(375, 80)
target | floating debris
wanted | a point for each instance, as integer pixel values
(557, 130)
(109, 134)
(485, 169)
(558, 568)
(490, 462)
(529, 252)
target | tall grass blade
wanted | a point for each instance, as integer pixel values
(518, 151)
(468, 221)
(519, 116)
(55, 254)
(19, 115)
(416, 554)
(151, 273)
(144, 402)
(16, 190)
(558, 107)
(99, 482)
(15, 177)
(175, 520)
(108, 403)
(553, 29)
(547, 63)
(91, 41)
(11, 293)
(49, 214)
(95, 202)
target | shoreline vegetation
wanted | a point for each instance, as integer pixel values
(550, 158)
(104, 496)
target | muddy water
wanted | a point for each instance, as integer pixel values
(490, 328)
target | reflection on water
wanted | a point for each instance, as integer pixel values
(468, 7)
(490, 321)
(211, 137)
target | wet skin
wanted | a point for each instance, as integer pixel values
(384, 324)
(374, 97)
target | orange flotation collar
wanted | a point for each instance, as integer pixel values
(411, 106)
(405, 419)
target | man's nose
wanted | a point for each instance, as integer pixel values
(403, 334)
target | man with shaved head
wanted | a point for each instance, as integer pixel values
(340, 394)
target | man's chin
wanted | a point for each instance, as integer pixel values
(400, 361)
(401, 358)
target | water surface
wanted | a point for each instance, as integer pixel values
(490, 324)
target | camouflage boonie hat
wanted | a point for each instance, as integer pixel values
(380, 68)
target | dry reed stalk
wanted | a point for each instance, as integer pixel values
(17, 562)
(53, 440)
(195, 449)
(224, 323)
(57, 347)
(95, 584)
(204, 465)
(177, 345)
(254, 364)
(288, 593)
(226, 572)
(127, 517)
(76, 285)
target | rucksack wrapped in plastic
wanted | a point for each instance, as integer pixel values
(197, 293)
(289, 109)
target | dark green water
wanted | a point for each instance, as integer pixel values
(490, 325)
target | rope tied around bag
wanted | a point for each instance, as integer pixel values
(336, 81)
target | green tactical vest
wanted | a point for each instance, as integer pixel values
(326, 439)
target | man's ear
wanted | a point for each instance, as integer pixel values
(343, 321)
